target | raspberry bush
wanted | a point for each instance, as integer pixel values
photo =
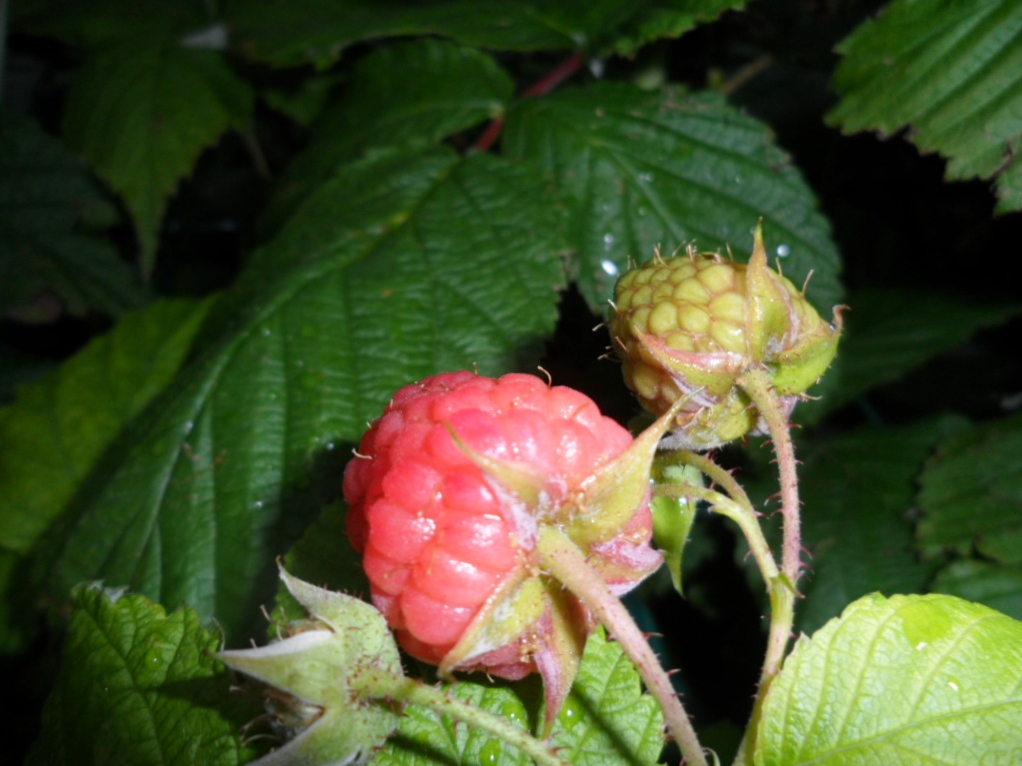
(231, 233)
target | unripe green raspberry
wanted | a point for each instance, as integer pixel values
(692, 324)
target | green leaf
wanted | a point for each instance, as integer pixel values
(318, 31)
(906, 680)
(100, 22)
(607, 720)
(141, 111)
(50, 209)
(890, 332)
(425, 738)
(668, 18)
(998, 586)
(57, 429)
(324, 556)
(857, 491)
(971, 493)
(646, 169)
(414, 91)
(952, 71)
(404, 265)
(139, 686)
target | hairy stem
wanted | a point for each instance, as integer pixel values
(757, 385)
(565, 562)
(381, 685)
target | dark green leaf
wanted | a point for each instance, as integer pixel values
(142, 110)
(606, 721)
(323, 556)
(98, 22)
(139, 686)
(420, 90)
(57, 429)
(48, 203)
(667, 18)
(403, 265)
(905, 681)
(890, 332)
(998, 586)
(647, 169)
(857, 490)
(972, 493)
(318, 31)
(952, 71)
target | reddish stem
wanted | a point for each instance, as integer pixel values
(551, 80)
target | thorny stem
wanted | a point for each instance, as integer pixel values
(565, 562)
(757, 385)
(551, 80)
(381, 685)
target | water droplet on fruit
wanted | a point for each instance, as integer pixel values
(783, 251)
(608, 241)
(258, 504)
(646, 177)
(609, 267)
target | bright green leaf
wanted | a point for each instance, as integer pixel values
(890, 332)
(998, 586)
(607, 719)
(404, 265)
(857, 491)
(646, 169)
(48, 204)
(899, 681)
(141, 111)
(57, 429)
(414, 91)
(971, 493)
(952, 71)
(139, 686)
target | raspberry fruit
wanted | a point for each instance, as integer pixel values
(447, 497)
(690, 325)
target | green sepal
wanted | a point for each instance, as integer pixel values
(800, 366)
(314, 675)
(769, 319)
(714, 372)
(611, 496)
(673, 516)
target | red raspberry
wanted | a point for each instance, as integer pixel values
(446, 497)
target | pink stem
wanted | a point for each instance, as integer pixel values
(551, 80)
